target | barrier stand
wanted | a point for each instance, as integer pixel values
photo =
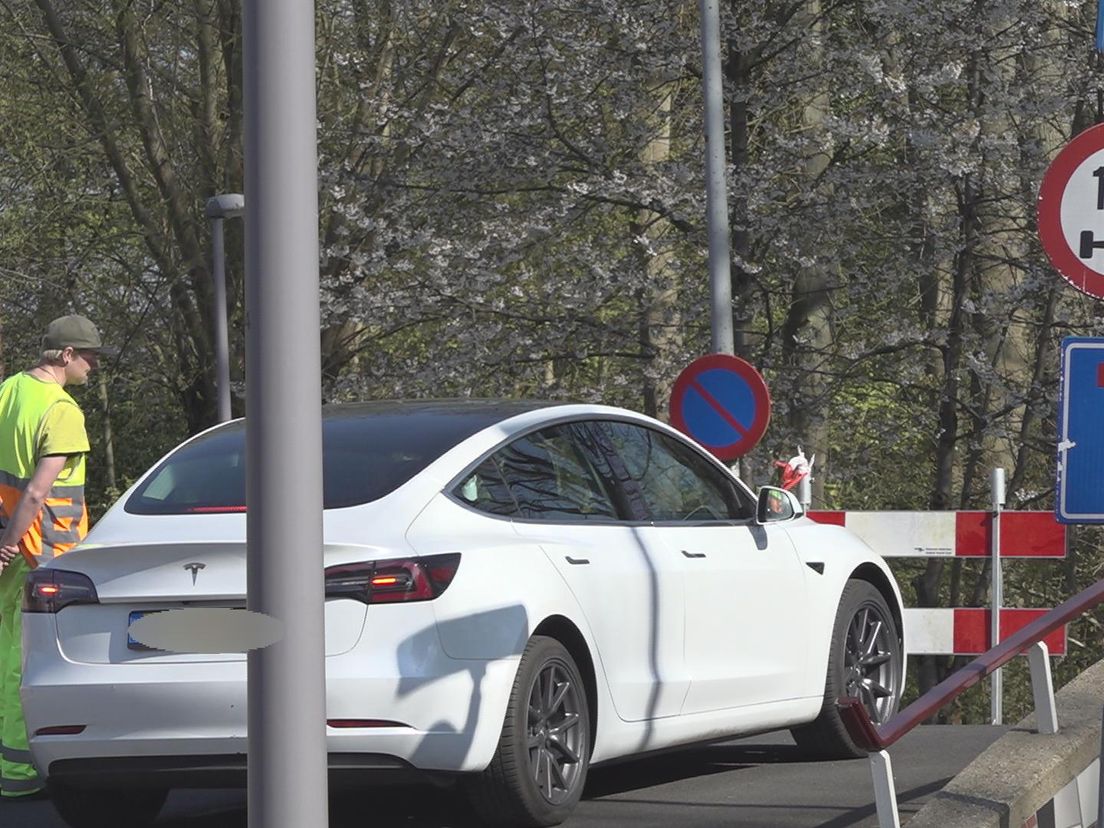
(996, 687)
(885, 792)
(1042, 688)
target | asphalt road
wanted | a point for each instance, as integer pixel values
(759, 782)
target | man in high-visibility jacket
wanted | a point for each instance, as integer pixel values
(43, 444)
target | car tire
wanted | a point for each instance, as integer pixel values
(539, 768)
(106, 807)
(865, 662)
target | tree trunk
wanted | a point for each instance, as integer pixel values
(660, 334)
(807, 333)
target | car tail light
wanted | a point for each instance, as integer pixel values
(392, 581)
(51, 590)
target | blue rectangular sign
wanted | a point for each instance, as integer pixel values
(1081, 432)
(1100, 26)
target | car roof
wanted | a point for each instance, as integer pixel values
(480, 412)
(493, 410)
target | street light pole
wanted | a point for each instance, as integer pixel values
(287, 767)
(219, 207)
(716, 192)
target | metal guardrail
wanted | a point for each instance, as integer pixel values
(872, 737)
(876, 738)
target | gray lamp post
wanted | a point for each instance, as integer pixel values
(219, 207)
(716, 193)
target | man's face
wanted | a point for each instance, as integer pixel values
(82, 363)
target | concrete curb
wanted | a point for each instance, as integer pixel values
(1023, 770)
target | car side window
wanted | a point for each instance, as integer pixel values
(675, 482)
(485, 489)
(552, 480)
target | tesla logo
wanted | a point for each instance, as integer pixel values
(194, 569)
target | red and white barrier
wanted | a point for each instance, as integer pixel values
(965, 630)
(959, 630)
(953, 534)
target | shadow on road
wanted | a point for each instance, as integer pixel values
(683, 764)
(904, 798)
(441, 807)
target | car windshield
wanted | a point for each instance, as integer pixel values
(368, 451)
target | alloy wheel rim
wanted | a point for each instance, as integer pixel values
(555, 737)
(870, 665)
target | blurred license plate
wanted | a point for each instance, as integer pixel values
(132, 642)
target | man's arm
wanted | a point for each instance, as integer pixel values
(30, 504)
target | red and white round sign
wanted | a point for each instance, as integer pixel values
(1071, 212)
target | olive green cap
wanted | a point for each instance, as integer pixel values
(74, 331)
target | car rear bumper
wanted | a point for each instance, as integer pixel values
(346, 770)
(421, 708)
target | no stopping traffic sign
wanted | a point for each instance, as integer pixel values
(722, 402)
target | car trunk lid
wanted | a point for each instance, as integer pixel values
(136, 579)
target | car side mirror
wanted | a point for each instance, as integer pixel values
(777, 505)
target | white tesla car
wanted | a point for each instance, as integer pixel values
(514, 592)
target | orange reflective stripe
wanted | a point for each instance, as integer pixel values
(61, 525)
(32, 541)
(10, 497)
(60, 549)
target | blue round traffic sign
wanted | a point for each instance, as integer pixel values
(722, 402)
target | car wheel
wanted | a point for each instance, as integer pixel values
(864, 662)
(106, 808)
(538, 771)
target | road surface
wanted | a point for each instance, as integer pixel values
(757, 782)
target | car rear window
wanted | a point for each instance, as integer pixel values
(364, 457)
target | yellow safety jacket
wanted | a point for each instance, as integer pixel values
(62, 523)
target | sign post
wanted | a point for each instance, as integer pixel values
(716, 194)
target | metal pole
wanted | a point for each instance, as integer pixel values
(287, 769)
(996, 484)
(220, 207)
(716, 195)
(222, 345)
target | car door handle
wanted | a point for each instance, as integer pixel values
(576, 561)
(693, 554)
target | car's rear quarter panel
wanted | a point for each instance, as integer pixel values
(504, 590)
